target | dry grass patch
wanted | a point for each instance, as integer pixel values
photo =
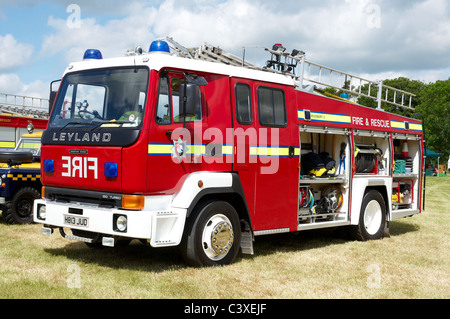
(413, 263)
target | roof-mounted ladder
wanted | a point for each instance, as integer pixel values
(207, 52)
(26, 106)
(288, 64)
(353, 85)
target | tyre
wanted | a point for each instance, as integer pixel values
(20, 209)
(16, 156)
(212, 236)
(372, 218)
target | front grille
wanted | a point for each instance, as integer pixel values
(67, 195)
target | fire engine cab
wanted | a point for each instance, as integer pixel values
(201, 149)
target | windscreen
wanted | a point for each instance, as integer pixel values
(30, 144)
(112, 97)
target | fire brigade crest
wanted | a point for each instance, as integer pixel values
(179, 149)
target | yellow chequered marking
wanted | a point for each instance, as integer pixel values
(22, 177)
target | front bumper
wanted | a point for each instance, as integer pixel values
(159, 223)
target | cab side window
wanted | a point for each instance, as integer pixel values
(163, 111)
(271, 107)
(168, 107)
(243, 103)
(176, 83)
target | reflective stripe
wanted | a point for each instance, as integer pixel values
(276, 151)
(227, 150)
(160, 149)
(7, 144)
(401, 125)
(193, 149)
(196, 149)
(325, 117)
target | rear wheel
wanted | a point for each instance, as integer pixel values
(372, 219)
(213, 236)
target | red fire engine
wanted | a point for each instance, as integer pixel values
(201, 149)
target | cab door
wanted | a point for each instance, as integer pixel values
(244, 135)
(267, 153)
(178, 146)
(170, 155)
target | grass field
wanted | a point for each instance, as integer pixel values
(413, 263)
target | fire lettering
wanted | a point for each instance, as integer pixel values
(81, 167)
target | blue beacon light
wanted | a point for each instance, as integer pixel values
(49, 166)
(159, 47)
(92, 54)
(111, 169)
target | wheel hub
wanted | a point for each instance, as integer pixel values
(222, 238)
(24, 208)
(217, 237)
(372, 217)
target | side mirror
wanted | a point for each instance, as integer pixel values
(52, 95)
(188, 99)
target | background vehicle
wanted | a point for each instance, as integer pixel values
(20, 179)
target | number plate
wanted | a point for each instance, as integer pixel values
(76, 221)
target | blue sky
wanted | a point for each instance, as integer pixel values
(376, 39)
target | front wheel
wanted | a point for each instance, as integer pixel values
(20, 209)
(372, 219)
(213, 236)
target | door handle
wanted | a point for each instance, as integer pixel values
(291, 151)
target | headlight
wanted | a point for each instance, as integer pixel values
(42, 212)
(121, 223)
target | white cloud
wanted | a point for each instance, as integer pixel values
(375, 38)
(369, 36)
(11, 83)
(13, 53)
(113, 38)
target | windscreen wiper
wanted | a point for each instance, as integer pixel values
(77, 123)
(120, 122)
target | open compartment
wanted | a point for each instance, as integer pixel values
(372, 152)
(406, 172)
(406, 154)
(324, 175)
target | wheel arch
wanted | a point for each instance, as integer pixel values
(233, 194)
(360, 230)
(382, 189)
(358, 198)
